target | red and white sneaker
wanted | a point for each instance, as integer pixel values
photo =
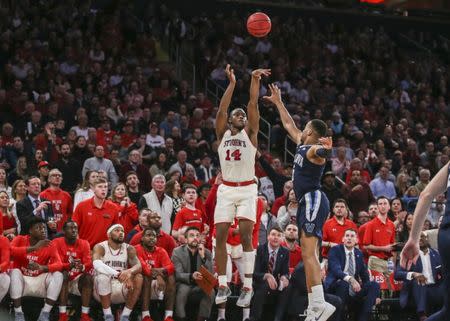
(168, 319)
(85, 317)
(147, 318)
(63, 317)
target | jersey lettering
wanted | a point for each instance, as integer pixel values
(298, 160)
(236, 155)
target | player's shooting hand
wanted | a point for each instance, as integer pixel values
(230, 74)
(257, 73)
(275, 94)
(326, 142)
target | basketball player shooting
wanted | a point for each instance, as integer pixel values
(236, 196)
(410, 253)
(313, 149)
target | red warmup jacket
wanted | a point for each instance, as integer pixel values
(62, 205)
(128, 216)
(80, 250)
(164, 240)
(5, 253)
(44, 256)
(156, 259)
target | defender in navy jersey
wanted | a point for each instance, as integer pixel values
(410, 253)
(312, 150)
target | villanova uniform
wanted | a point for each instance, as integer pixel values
(313, 206)
(444, 251)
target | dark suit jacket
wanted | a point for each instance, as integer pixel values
(262, 263)
(142, 173)
(180, 258)
(336, 266)
(400, 275)
(25, 211)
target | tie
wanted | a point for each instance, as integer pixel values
(351, 272)
(36, 203)
(271, 262)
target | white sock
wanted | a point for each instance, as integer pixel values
(169, 313)
(47, 308)
(18, 310)
(126, 312)
(222, 280)
(317, 297)
(249, 261)
(245, 314)
(220, 314)
(107, 311)
(145, 314)
(62, 309)
(85, 310)
(248, 283)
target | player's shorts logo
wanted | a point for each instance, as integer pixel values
(310, 227)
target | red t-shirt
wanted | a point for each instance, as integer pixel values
(104, 138)
(44, 256)
(188, 217)
(93, 222)
(156, 259)
(333, 231)
(80, 250)
(128, 216)
(4, 254)
(8, 222)
(127, 139)
(361, 232)
(279, 201)
(164, 240)
(379, 234)
(62, 205)
(295, 256)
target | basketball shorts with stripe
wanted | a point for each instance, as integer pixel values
(312, 213)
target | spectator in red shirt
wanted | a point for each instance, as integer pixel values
(128, 137)
(8, 224)
(4, 266)
(47, 142)
(291, 243)
(334, 228)
(36, 269)
(164, 240)
(188, 215)
(75, 255)
(379, 237)
(105, 134)
(128, 212)
(62, 203)
(95, 215)
(280, 201)
(158, 270)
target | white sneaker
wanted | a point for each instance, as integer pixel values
(222, 294)
(321, 313)
(245, 298)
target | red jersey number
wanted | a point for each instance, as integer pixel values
(236, 155)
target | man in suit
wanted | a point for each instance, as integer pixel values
(348, 277)
(34, 205)
(423, 281)
(188, 259)
(271, 274)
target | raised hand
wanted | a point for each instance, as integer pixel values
(326, 142)
(257, 73)
(275, 94)
(230, 74)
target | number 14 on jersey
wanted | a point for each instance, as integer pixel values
(233, 155)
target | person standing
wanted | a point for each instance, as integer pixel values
(236, 196)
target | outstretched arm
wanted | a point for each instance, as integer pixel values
(286, 119)
(437, 186)
(252, 107)
(222, 113)
(321, 152)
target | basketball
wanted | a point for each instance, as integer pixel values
(258, 24)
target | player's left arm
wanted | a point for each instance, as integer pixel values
(319, 153)
(252, 107)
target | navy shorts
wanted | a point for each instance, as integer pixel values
(312, 213)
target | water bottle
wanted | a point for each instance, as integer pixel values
(391, 266)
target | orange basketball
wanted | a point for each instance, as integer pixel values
(258, 24)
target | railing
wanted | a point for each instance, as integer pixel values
(288, 141)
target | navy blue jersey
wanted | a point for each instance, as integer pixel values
(306, 175)
(446, 218)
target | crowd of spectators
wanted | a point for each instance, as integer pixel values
(87, 97)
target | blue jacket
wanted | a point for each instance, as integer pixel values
(400, 274)
(336, 266)
(262, 263)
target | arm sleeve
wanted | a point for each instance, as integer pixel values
(87, 258)
(146, 269)
(334, 267)
(55, 263)
(178, 221)
(167, 263)
(101, 267)
(171, 245)
(368, 235)
(77, 217)
(17, 249)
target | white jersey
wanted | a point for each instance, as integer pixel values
(237, 157)
(116, 259)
